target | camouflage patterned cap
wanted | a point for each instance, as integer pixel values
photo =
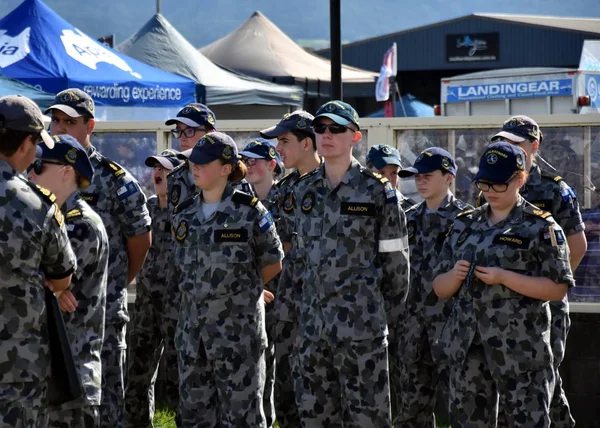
(73, 102)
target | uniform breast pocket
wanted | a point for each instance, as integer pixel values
(356, 241)
(231, 266)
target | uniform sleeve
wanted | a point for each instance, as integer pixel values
(285, 226)
(131, 210)
(445, 260)
(58, 259)
(567, 215)
(393, 250)
(87, 243)
(267, 245)
(554, 256)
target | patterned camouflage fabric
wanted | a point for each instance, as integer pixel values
(284, 328)
(221, 336)
(151, 338)
(85, 326)
(353, 243)
(414, 374)
(34, 244)
(550, 193)
(117, 197)
(497, 340)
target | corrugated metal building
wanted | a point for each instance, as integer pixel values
(472, 43)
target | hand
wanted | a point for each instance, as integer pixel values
(490, 275)
(67, 301)
(268, 296)
(461, 270)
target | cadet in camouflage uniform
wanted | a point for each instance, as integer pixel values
(297, 148)
(352, 239)
(64, 170)
(417, 373)
(229, 249)
(117, 197)
(385, 160)
(35, 248)
(151, 338)
(550, 193)
(263, 164)
(503, 263)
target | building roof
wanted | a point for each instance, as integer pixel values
(259, 48)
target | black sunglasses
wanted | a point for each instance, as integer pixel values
(333, 128)
(38, 165)
(188, 132)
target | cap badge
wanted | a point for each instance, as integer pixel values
(445, 163)
(210, 119)
(301, 124)
(272, 153)
(520, 164)
(386, 150)
(492, 159)
(226, 152)
(71, 156)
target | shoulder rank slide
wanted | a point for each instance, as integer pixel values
(74, 213)
(244, 199)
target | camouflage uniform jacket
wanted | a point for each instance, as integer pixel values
(426, 234)
(154, 275)
(353, 244)
(221, 260)
(85, 326)
(180, 186)
(514, 329)
(117, 197)
(34, 244)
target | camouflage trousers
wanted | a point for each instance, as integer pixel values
(269, 391)
(417, 380)
(344, 384)
(284, 334)
(112, 408)
(226, 391)
(22, 405)
(474, 393)
(560, 413)
(82, 417)
(150, 345)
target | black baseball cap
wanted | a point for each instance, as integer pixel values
(167, 158)
(19, 113)
(430, 160)
(213, 146)
(262, 149)
(519, 129)
(299, 120)
(499, 162)
(195, 115)
(73, 102)
(340, 112)
(67, 150)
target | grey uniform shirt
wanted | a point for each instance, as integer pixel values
(85, 326)
(33, 245)
(353, 243)
(117, 197)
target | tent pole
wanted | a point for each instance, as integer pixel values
(336, 49)
(157, 7)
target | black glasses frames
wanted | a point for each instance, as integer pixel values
(188, 132)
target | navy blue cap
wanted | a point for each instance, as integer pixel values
(73, 102)
(262, 149)
(340, 112)
(499, 162)
(382, 155)
(430, 160)
(519, 129)
(68, 151)
(298, 120)
(168, 159)
(195, 115)
(213, 146)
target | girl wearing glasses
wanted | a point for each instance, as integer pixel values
(503, 263)
(228, 249)
(264, 165)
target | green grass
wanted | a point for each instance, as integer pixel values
(164, 418)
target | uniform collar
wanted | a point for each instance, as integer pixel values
(71, 202)
(535, 175)
(225, 205)
(515, 216)
(354, 170)
(6, 168)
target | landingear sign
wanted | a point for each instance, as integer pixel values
(501, 91)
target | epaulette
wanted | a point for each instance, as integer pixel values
(462, 213)
(533, 210)
(375, 175)
(178, 167)
(46, 194)
(116, 169)
(480, 200)
(461, 205)
(244, 198)
(550, 176)
(184, 204)
(285, 180)
(74, 213)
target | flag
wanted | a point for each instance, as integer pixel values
(388, 69)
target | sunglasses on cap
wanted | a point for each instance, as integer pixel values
(38, 166)
(188, 132)
(333, 128)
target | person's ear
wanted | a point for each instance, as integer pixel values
(226, 170)
(90, 126)
(356, 137)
